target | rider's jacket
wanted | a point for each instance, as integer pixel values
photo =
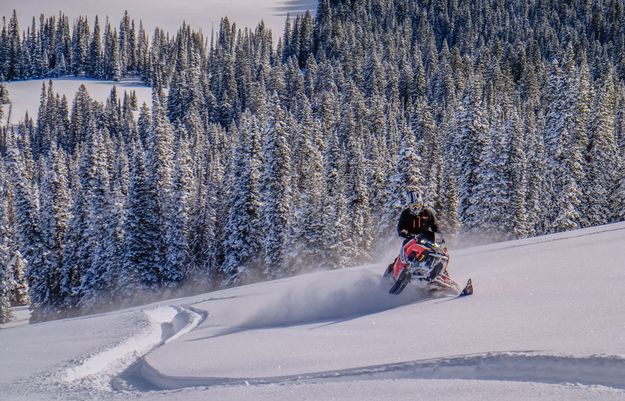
(424, 223)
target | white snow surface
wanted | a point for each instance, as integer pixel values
(25, 95)
(546, 322)
(203, 15)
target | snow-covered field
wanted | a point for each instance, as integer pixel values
(24, 95)
(546, 323)
(169, 15)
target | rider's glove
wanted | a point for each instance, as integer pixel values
(403, 233)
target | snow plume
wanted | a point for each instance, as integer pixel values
(347, 294)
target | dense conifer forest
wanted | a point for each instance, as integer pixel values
(258, 160)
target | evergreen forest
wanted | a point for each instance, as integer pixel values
(258, 160)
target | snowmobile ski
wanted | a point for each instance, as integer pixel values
(468, 289)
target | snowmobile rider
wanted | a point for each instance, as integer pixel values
(417, 219)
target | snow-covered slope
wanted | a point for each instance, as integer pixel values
(24, 95)
(546, 322)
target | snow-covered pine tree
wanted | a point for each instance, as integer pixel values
(584, 94)
(471, 141)
(449, 218)
(142, 268)
(4, 98)
(96, 279)
(492, 201)
(358, 208)
(76, 65)
(243, 244)
(14, 49)
(276, 191)
(563, 153)
(215, 205)
(19, 285)
(535, 172)
(425, 130)
(76, 252)
(517, 172)
(307, 223)
(95, 67)
(53, 218)
(27, 233)
(405, 177)
(159, 159)
(376, 182)
(337, 239)
(6, 275)
(603, 157)
(177, 229)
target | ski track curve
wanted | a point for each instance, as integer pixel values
(164, 324)
(527, 367)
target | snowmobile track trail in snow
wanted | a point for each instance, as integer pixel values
(526, 367)
(103, 370)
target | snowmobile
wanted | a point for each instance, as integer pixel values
(425, 262)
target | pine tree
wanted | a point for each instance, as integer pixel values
(4, 99)
(178, 251)
(472, 139)
(159, 159)
(96, 280)
(54, 216)
(276, 191)
(406, 177)
(28, 234)
(603, 158)
(491, 198)
(6, 312)
(243, 243)
(358, 207)
(14, 49)
(141, 263)
(307, 225)
(336, 229)
(449, 217)
(95, 66)
(76, 252)
(564, 153)
(517, 170)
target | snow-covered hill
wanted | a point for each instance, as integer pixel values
(546, 322)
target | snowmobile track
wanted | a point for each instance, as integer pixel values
(105, 370)
(527, 367)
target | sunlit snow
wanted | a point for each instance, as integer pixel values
(546, 323)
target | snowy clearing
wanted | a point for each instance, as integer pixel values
(545, 323)
(25, 95)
